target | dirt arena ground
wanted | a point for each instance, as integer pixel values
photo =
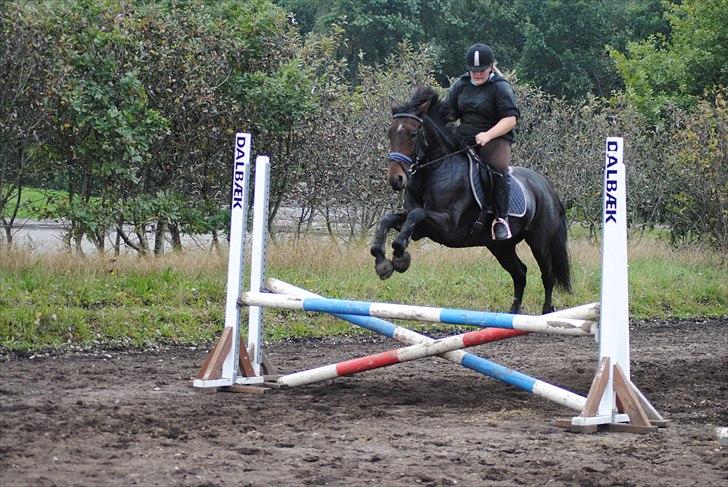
(131, 418)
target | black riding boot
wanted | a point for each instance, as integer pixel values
(502, 189)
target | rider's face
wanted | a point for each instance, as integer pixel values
(480, 77)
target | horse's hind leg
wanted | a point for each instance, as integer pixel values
(543, 258)
(382, 265)
(508, 259)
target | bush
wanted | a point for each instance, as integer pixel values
(697, 169)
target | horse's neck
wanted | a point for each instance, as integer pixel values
(441, 184)
(444, 135)
(436, 152)
(436, 161)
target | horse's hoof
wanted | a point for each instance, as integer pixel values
(548, 309)
(401, 262)
(515, 309)
(384, 269)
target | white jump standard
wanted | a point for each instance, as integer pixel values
(613, 400)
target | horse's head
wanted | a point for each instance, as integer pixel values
(408, 140)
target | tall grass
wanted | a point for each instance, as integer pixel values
(55, 300)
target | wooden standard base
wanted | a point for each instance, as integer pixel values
(595, 428)
(211, 369)
(643, 417)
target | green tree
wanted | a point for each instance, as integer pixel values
(697, 171)
(663, 71)
(557, 45)
(23, 61)
(563, 48)
(141, 101)
(101, 124)
(197, 51)
(373, 28)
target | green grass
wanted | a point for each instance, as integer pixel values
(34, 203)
(57, 300)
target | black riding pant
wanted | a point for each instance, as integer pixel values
(497, 153)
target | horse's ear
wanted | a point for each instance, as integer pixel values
(424, 108)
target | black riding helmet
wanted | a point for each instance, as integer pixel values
(478, 57)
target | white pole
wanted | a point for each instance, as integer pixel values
(613, 334)
(544, 324)
(238, 221)
(258, 258)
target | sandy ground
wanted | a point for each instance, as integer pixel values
(119, 417)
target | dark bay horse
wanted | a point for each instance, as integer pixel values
(429, 164)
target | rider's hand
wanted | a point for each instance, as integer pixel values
(482, 138)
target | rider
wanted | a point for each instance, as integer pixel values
(485, 104)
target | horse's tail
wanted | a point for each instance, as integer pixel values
(560, 254)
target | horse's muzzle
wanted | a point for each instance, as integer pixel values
(398, 172)
(397, 181)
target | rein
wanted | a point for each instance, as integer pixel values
(420, 166)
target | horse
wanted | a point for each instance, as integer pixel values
(429, 163)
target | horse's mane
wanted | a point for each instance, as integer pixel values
(438, 112)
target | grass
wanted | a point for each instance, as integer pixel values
(60, 300)
(34, 203)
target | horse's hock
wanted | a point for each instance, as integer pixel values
(613, 402)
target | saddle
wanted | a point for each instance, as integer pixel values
(479, 173)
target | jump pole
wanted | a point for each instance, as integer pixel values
(613, 336)
(405, 335)
(258, 257)
(236, 256)
(545, 324)
(613, 333)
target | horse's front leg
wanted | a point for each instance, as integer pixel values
(383, 265)
(401, 258)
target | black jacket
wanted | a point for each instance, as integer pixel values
(479, 108)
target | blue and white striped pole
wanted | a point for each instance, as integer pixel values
(544, 323)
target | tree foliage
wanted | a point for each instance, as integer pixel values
(697, 207)
(139, 103)
(130, 108)
(557, 45)
(665, 72)
(23, 63)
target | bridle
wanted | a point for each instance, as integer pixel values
(410, 166)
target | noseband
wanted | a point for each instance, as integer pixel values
(408, 165)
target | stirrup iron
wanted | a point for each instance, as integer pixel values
(503, 222)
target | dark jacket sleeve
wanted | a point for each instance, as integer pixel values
(452, 97)
(506, 101)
